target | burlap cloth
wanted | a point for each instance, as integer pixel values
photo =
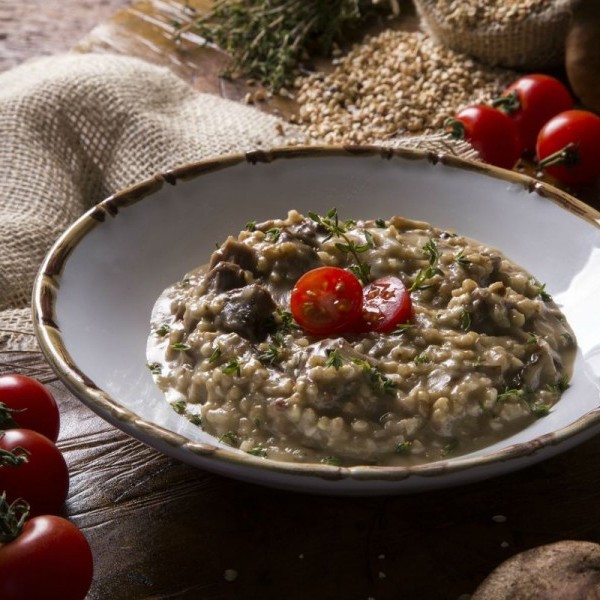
(76, 128)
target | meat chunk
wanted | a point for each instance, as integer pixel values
(248, 311)
(225, 276)
(235, 252)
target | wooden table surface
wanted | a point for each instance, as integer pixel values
(160, 529)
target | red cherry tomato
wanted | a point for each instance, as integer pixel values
(326, 300)
(567, 147)
(386, 303)
(30, 406)
(49, 559)
(43, 481)
(491, 132)
(532, 101)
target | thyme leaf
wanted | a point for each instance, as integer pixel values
(155, 368)
(465, 320)
(230, 438)
(163, 330)
(271, 355)
(332, 460)
(216, 354)
(233, 366)
(335, 359)
(272, 235)
(403, 448)
(424, 275)
(181, 347)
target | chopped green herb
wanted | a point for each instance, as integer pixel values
(233, 366)
(381, 223)
(541, 290)
(377, 379)
(460, 258)
(404, 447)
(194, 419)
(251, 225)
(507, 394)
(465, 320)
(270, 356)
(216, 354)
(179, 406)
(180, 346)
(334, 359)
(286, 321)
(540, 410)
(185, 282)
(230, 438)
(422, 358)
(257, 422)
(362, 271)
(272, 235)
(402, 327)
(560, 386)
(332, 460)
(432, 252)
(163, 330)
(532, 338)
(258, 451)
(155, 368)
(450, 447)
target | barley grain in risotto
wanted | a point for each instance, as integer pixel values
(485, 352)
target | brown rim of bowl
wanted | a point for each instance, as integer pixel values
(50, 338)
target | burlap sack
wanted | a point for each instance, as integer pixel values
(525, 34)
(76, 128)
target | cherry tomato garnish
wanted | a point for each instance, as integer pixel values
(386, 304)
(42, 479)
(531, 102)
(26, 404)
(326, 300)
(491, 132)
(50, 558)
(567, 147)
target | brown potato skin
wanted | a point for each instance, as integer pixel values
(582, 56)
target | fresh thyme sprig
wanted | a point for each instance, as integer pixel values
(270, 39)
(336, 228)
(424, 275)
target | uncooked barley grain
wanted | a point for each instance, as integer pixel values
(396, 83)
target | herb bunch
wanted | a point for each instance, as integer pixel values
(269, 39)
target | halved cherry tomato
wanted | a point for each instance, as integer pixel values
(531, 101)
(567, 147)
(42, 480)
(491, 132)
(26, 404)
(327, 300)
(50, 558)
(386, 304)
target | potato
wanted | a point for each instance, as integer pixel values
(567, 569)
(582, 54)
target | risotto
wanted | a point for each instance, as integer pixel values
(484, 352)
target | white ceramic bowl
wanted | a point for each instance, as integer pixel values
(96, 289)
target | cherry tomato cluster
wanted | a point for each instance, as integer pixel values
(42, 555)
(330, 300)
(534, 116)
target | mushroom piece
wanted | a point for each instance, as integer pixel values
(566, 569)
